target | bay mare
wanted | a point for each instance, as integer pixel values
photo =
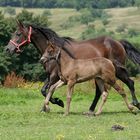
(106, 47)
(72, 71)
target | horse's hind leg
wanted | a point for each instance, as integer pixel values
(95, 101)
(124, 96)
(104, 96)
(122, 74)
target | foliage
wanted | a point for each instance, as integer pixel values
(91, 32)
(25, 64)
(10, 10)
(13, 81)
(105, 22)
(46, 13)
(78, 4)
(132, 32)
(137, 3)
(121, 28)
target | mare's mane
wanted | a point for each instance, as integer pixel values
(55, 39)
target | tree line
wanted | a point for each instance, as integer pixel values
(78, 4)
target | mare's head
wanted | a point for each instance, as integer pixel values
(21, 37)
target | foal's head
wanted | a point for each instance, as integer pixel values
(50, 53)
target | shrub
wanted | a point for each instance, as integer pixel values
(13, 81)
(132, 32)
(105, 21)
(46, 13)
(121, 28)
(10, 10)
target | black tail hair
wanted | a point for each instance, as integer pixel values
(132, 53)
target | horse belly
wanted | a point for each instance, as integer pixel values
(86, 73)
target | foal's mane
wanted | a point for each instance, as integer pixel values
(55, 39)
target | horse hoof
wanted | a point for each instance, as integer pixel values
(65, 114)
(136, 105)
(45, 109)
(59, 102)
(97, 113)
(89, 113)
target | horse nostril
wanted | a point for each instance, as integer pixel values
(41, 60)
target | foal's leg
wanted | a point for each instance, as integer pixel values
(54, 78)
(95, 101)
(124, 96)
(104, 96)
(69, 94)
(51, 91)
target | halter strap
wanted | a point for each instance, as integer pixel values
(26, 41)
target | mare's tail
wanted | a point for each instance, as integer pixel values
(132, 53)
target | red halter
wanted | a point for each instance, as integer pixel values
(26, 41)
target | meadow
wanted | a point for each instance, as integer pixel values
(21, 119)
(59, 16)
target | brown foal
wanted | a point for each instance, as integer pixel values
(72, 71)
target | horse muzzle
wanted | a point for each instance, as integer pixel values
(43, 60)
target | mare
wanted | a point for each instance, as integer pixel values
(72, 71)
(106, 47)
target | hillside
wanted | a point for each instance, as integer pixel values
(129, 16)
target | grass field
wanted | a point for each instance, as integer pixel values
(20, 117)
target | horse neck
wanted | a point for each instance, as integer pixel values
(65, 60)
(39, 41)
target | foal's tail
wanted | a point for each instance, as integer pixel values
(132, 53)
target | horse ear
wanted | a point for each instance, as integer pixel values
(20, 24)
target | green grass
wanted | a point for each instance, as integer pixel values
(20, 118)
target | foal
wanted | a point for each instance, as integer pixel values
(72, 71)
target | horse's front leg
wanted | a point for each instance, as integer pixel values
(50, 93)
(48, 82)
(45, 87)
(54, 78)
(69, 94)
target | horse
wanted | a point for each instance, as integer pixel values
(72, 71)
(104, 46)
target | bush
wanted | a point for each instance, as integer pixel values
(13, 81)
(121, 28)
(10, 10)
(105, 22)
(46, 13)
(91, 32)
(132, 32)
(72, 20)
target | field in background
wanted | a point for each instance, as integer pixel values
(20, 116)
(119, 16)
